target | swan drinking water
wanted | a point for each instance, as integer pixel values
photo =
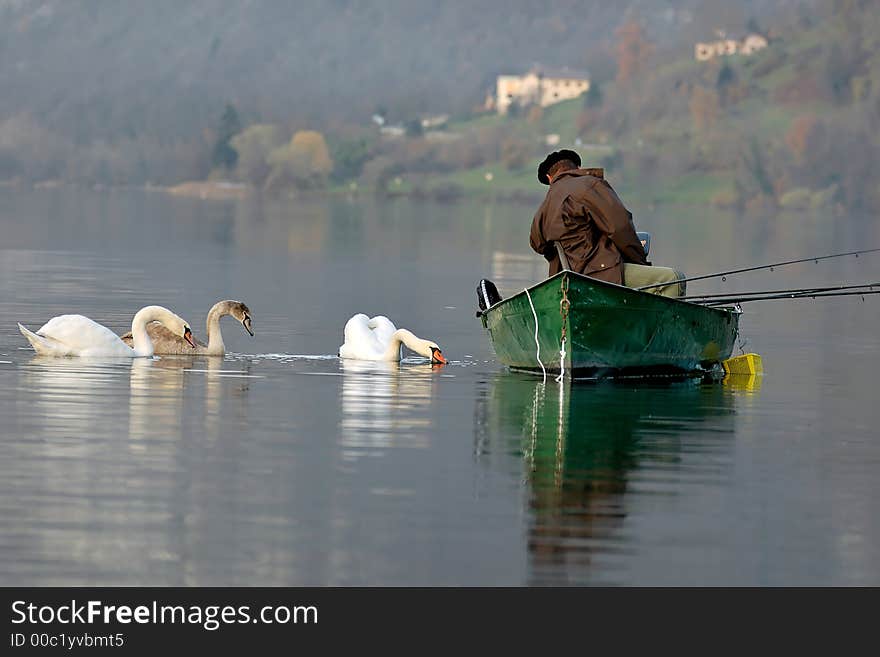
(167, 342)
(75, 335)
(379, 339)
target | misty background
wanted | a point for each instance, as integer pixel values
(155, 93)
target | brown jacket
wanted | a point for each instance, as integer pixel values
(584, 214)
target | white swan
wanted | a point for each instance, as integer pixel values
(168, 342)
(379, 339)
(75, 335)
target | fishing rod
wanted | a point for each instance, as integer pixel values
(806, 295)
(730, 272)
(701, 298)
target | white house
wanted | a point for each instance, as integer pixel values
(540, 86)
(703, 52)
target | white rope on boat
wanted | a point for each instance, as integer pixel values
(561, 363)
(537, 344)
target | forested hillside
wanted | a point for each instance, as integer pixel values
(131, 91)
(794, 126)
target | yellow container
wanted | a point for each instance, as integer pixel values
(748, 364)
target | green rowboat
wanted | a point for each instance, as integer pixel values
(608, 329)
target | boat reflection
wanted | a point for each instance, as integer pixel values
(588, 449)
(383, 406)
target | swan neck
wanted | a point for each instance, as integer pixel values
(212, 326)
(402, 336)
(141, 342)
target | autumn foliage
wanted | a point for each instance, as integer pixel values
(304, 161)
(633, 50)
(705, 108)
(803, 136)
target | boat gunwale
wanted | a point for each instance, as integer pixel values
(723, 310)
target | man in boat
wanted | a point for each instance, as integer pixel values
(585, 217)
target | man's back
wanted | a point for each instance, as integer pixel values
(584, 215)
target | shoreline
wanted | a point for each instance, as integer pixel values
(647, 194)
(233, 191)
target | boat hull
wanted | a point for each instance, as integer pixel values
(610, 330)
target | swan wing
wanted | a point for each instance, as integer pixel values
(165, 342)
(45, 346)
(383, 328)
(83, 337)
(360, 341)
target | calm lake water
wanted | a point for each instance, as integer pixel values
(281, 465)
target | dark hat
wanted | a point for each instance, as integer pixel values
(553, 158)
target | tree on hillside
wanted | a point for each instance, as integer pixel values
(414, 128)
(28, 149)
(705, 108)
(633, 50)
(349, 156)
(585, 121)
(726, 78)
(593, 97)
(753, 27)
(515, 152)
(753, 179)
(852, 14)
(252, 148)
(224, 155)
(842, 62)
(304, 162)
(804, 137)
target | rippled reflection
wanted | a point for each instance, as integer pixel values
(95, 494)
(585, 448)
(382, 406)
(70, 395)
(155, 405)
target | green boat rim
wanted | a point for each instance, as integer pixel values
(734, 308)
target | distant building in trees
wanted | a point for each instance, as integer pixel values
(434, 121)
(723, 47)
(540, 86)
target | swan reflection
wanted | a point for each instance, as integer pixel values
(117, 491)
(383, 406)
(166, 391)
(72, 396)
(156, 400)
(80, 397)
